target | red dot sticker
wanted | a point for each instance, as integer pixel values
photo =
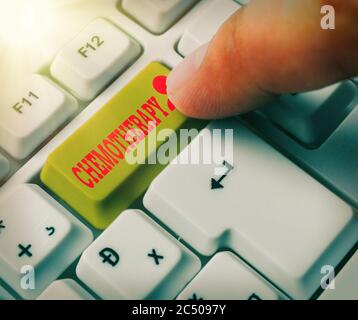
(171, 106)
(160, 84)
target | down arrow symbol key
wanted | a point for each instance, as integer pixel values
(216, 184)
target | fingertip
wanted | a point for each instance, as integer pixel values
(180, 81)
(186, 69)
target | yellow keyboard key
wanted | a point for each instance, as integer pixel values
(93, 170)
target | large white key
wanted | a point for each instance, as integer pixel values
(312, 116)
(4, 167)
(4, 295)
(31, 114)
(66, 289)
(157, 15)
(39, 235)
(226, 278)
(92, 59)
(273, 214)
(203, 28)
(135, 259)
(345, 283)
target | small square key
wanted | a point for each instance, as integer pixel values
(203, 27)
(29, 117)
(225, 277)
(311, 117)
(135, 259)
(91, 60)
(157, 15)
(38, 240)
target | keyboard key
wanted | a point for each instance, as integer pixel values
(36, 232)
(157, 15)
(135, 259)
(30, 117)
(261, 206)
(340, 150)
(91, 60)
(4, 295)
(91, 170)
(4, 167)
(203, 27)
(345, 283)
(226, 278)
(311, 117)
(65, 290)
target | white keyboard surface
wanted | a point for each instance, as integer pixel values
(4, 295)
(285, 205)
(346, 283)
(66, 289)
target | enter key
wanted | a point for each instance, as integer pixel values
(110, 161)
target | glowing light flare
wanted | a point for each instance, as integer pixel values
(32, 32)
(25, 21)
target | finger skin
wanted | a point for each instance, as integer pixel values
(269, 47)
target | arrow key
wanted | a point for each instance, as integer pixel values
(216, 184)
(266, 210)
(2, 225)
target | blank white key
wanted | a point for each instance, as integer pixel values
(345, 283)
(311, 117)
(269, 211)
(226, 278)
(4, 167)
(4, 295)
(135, 259)
(203, 28)
(66, 289)
(91, 60)
(157, 15)
(32, 114)
(36, 231)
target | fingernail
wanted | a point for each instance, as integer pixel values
(186, 69)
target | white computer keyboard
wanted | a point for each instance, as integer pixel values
(268, 231)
